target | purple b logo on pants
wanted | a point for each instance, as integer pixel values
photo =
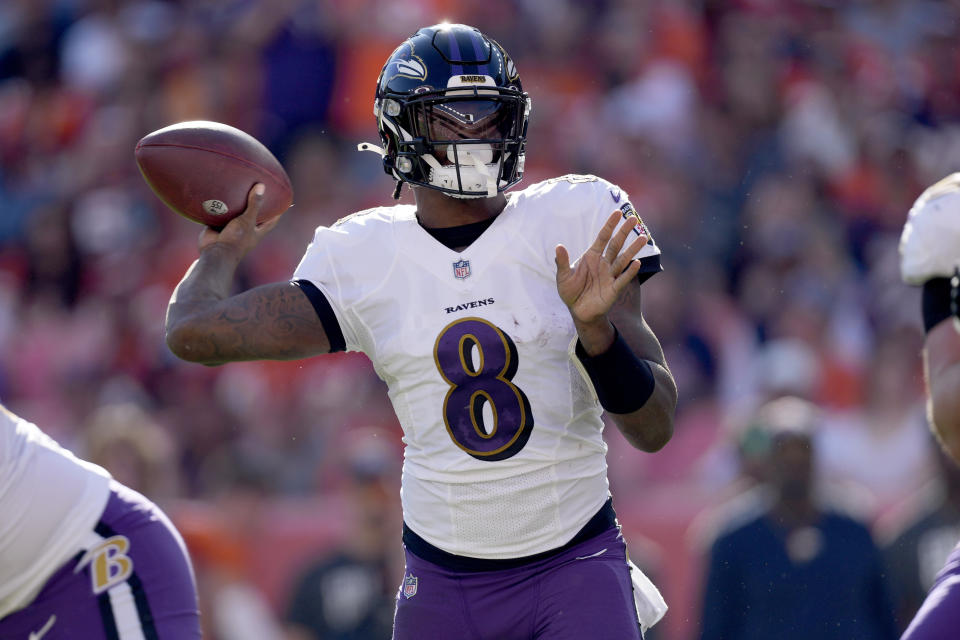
(133, 580)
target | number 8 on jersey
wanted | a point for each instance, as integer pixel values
(474, 385)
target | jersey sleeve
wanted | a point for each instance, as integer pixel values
(649, 256)
(335, 272)
(583, 203)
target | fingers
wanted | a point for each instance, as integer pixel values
(605, 233)
(254, 203)
(624, 278)
(619, 260)
(622, 261)
(563, 262)
(609, 245)
(613, 248)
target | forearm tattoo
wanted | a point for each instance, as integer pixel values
(274, 321)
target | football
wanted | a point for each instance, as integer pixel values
(204, 170)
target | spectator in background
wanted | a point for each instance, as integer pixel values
(922, 544)
(882, 446)
(349, 594)
(125, 440)
(296, 48)
(225, 543)
(796, 570)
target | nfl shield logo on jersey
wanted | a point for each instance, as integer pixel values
(409, 586)
(461, 270)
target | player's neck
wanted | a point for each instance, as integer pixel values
(436, 210)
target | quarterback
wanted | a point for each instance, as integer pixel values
(499, 354)
(930, 257)
(83, 557)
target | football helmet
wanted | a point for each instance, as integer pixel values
(451, 113)
(930, 242)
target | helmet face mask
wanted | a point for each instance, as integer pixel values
(464, 138)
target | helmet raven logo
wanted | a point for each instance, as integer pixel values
(412, 67)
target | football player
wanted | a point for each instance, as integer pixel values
(930, 257)
(82, 557)
(499, 354)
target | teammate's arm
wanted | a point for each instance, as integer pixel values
(206, 324)
(941, 353)
(615, 343)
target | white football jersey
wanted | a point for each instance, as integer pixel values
(49, 501)
(503, 452)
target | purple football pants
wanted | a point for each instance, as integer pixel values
(133, 581)
(582, 592)
(939, 616)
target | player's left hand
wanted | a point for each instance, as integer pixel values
(591, 288)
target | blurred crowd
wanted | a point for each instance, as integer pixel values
(773, 147)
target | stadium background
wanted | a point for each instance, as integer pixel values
(773, 147)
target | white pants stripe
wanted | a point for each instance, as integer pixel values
(125, 612)
(122, 603)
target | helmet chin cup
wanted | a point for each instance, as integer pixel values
(478, 180)
(481, 152)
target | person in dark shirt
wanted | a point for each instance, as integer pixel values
(917, 550)
(797, 570)
(349, 593)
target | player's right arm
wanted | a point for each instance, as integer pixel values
(206, 324)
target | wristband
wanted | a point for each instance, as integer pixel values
(939, 301)
(623, 381)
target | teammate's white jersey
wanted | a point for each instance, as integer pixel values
(49, 501)
(504, 455)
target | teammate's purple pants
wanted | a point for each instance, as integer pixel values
(133, 581)
(939, 616)
(582, 592)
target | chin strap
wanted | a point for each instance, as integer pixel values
(484, 171)
(446, 176)
(369, 146)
